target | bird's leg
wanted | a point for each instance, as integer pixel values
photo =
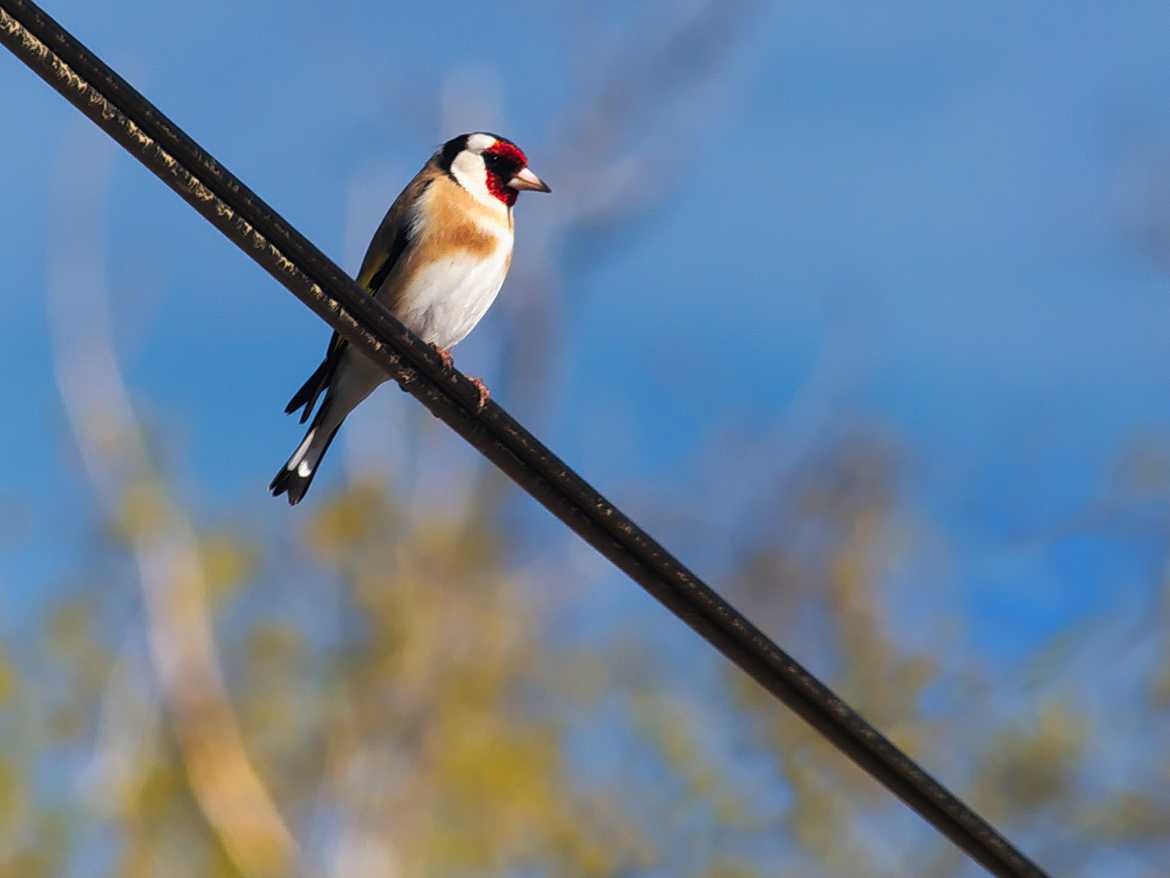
(484, 394)
(445, 356)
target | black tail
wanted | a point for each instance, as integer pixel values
(297, 474)
(306, 397)
(321, 379)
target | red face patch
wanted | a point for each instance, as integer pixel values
(503, 161)
(508, 151)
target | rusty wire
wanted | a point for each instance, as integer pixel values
(86, 82)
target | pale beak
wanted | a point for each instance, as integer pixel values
(525, 179)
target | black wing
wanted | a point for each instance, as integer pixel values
(385, 250)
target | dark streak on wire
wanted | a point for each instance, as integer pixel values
(260, 232)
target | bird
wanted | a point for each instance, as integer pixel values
(437, 261)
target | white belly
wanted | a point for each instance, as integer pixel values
(443, 302)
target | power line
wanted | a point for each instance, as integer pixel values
(86, 82)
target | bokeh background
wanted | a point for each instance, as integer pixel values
(861, 307)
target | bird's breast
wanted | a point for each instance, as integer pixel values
(452, 286)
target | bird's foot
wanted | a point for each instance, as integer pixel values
(445, 356)
(484, 394)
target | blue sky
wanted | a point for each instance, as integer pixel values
(924, 218)
(934, 205)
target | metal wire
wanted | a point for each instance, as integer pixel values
(124, 114)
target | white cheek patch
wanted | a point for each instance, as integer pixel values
(468, 168)
(471, 173)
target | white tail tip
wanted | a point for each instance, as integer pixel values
(297, 461)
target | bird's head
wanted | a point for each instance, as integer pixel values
(489, 166)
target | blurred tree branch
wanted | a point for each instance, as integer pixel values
(162, 542)
(419, 712)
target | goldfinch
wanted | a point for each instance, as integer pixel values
(437, 262)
